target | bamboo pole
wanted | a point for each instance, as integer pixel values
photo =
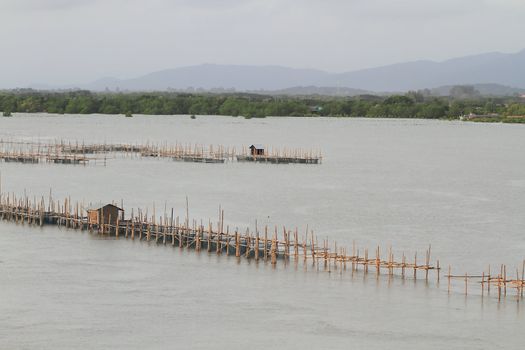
(449, 277)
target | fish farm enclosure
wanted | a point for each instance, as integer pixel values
(185, 233)
(74, 153)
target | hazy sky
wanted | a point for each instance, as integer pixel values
(75, 41)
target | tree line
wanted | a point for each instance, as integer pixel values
(410, 105)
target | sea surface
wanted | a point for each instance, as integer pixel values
(405, 184)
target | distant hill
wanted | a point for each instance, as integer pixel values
(314, 90)
(213, 76)
(493, 68)
(491, 72)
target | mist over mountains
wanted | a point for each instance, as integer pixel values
(494, 73)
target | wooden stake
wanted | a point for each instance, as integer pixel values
(449, 277)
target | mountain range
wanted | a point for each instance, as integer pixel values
(498, 72)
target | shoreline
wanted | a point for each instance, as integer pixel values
(500, 120)
(412, 105)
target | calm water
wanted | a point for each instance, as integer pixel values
(405, 183)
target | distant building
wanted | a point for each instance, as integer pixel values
(478, 116)
(316, 109)
(103, 214)
(257, 150)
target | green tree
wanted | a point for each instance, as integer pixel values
(433, 110)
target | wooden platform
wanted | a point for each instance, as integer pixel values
(278, 160)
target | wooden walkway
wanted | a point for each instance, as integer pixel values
(268, 244)
(278, 156)
(34, 158)
(67, 152)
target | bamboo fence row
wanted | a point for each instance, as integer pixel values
(25, 151)
(268, 244)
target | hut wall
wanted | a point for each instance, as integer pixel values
(93, 217)
(110, 212)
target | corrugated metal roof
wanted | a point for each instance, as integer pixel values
(100, 205)
(257, 146)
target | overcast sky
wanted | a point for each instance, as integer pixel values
(76, 41)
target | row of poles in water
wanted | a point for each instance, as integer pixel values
(266, 244)
(33, 152)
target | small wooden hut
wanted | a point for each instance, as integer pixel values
(257, 150)
(103, 214)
